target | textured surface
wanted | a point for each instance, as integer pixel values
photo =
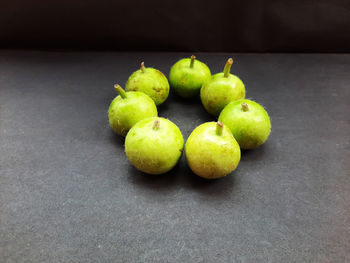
(68, 193)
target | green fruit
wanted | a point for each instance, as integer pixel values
(211, 151)
(221, 89)
(154, 145)
(128, 108)
(248, 121)
(187, 76)
(150, 81)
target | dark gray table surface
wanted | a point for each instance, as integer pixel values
(69, 194)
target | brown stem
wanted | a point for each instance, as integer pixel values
(120, 91)
(156, 124)
(227, 68)
(219, 128)
(193, 57)
(245, 106)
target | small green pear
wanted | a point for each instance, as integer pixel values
(154, 145)
(248, 121)
(221, 89)
(211, 151)
(187, 76)
(149, 81)
(128, 108)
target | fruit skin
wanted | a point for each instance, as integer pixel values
(123, 113)
(251, 126)
(211, 155)
(219, 91)
(154, 150)
(150, 81)
(186, 80)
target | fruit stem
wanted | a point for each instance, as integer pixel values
(143, 66)
(245, 106)
(193, 57)
(228, 67)
(219, 128)
(120, 91)
(156, 124)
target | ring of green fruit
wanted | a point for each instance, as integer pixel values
(154, 145)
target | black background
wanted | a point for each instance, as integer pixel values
(199, 25)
